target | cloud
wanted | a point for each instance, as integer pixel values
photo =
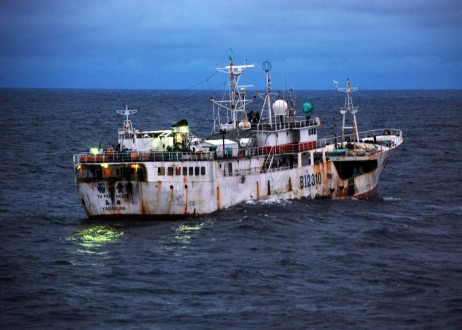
(141, 40)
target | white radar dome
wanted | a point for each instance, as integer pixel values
(280, 108)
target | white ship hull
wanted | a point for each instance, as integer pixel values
(196, 187)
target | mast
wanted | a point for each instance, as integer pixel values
(127, 123)
(232, 83)
(266, 66)
(268, 113)
(128, 132)
(348, 109)
(227, 114)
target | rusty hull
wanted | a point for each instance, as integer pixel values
(170, 197)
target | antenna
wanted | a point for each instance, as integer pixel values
(267, 66)
(126, 112)
(348, 109)
(230, 54)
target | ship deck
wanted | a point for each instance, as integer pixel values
(375, 140)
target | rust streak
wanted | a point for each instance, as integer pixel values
(185, 187)
(143, 206)
(171, 199)
(159, 188)
(218, 197)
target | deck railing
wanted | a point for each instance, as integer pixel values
(296, 122)
(398, 137)
(130, 157)
(160, 156)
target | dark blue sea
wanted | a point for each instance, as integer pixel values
(298, 264)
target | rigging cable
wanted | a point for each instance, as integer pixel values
(202, 81)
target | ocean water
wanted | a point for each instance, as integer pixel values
(297, 264)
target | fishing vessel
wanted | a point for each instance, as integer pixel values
(272, 153)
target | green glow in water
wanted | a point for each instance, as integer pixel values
(96, 236)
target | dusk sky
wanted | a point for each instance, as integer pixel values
(174, 44)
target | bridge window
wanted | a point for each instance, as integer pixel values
(112, 173)
(306, 159)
